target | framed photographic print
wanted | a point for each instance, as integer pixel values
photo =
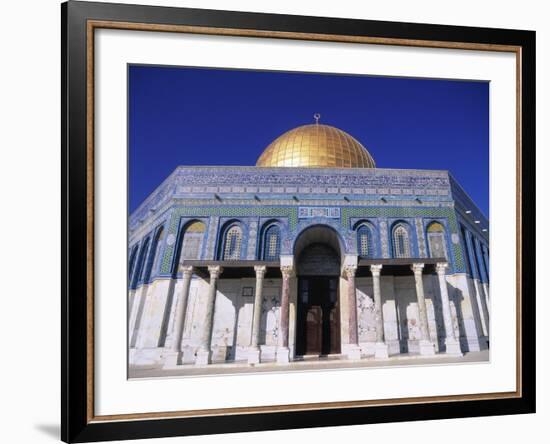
(277, 221)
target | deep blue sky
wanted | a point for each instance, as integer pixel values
(191, 116)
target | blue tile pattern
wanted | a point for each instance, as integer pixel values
(297, 198)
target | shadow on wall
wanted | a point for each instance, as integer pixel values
(403, 328)
(167, 312)
(438, 315)
(476, 311)
(142, 292)
(456, 297)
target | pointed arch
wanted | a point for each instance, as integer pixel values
(231, 247)
(435, 232)
(154, 252)
(366, 239)
(270, 246)
(132, 261)
(401, 240)
(190, 243)
(466, 249)
(140, 264)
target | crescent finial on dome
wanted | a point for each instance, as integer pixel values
(317, 117)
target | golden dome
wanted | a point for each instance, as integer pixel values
(316, 145)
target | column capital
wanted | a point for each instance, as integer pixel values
(215, 271)
(186, 269)
(287, 270)
(440, 267)
(260, 270)
(417, 268)
(375, 269)
(350, 270)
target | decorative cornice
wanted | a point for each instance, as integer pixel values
(253, 179)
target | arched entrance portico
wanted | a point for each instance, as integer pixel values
(317, 253)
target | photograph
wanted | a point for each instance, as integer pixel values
(283, 221)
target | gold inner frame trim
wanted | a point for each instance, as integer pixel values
(92, 25)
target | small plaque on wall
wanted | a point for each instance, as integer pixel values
(248, 291)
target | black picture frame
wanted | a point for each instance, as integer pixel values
(78, 423)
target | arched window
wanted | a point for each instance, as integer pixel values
(191, 244)
(401, 243)
(436, 240)
(140, 264)
(272, 243)
(485, 258)
(466, 250)
(154, 254)
(365, 244)
(232, 245)
(132, 262)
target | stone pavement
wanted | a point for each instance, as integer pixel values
(328, 363)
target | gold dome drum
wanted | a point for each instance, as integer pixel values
(316, 145)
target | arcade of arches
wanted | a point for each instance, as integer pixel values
(318, 302)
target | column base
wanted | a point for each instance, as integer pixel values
(204, 357)
(452, 347)
(253, 355)
(353, 351)
(145, 357)
(381, 350)
(132, 353)
(188, 355)
(172, 359)
(283, 355)
(426, 348)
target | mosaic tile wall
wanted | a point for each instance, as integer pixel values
(239, 181)
(220, 211)
(290, 232)
(298, 198)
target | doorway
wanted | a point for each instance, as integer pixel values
(318, 251)
(318, 323)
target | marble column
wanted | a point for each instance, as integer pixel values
(451, 342)
(254, 349)
(204, 354)
(283, 351)
(380, 348)
(426, 346)
(353, 350)
(173, 356)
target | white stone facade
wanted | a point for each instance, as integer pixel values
(234, 309)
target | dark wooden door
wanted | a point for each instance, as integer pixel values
(318, 329)
(335, 330)
(314, 331)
